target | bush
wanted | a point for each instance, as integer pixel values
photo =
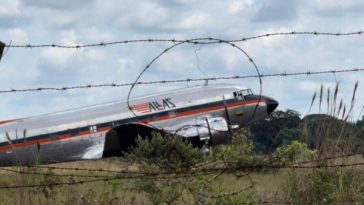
(294, 152)
(239, 153)
(173, 155)
(164, 153)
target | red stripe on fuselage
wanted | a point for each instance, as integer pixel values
(45, 140)
(7, 121)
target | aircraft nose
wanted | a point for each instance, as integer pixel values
(271, 105)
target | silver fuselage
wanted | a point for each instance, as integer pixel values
(80, 133)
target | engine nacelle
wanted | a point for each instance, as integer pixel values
(212, 129)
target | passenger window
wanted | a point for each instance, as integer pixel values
(93, 129)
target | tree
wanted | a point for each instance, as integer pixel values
(279, 127)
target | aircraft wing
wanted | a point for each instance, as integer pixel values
(195, 130)
(203, 127)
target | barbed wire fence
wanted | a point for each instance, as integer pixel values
(110, 175)
(235, 77)
(73, 178)
(206, 40)
(125, 174)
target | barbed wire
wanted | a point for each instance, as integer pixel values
(125, 174)
(17, 171)
(198, 166)
(206, 40)
(171, 174)
(268, 162)
(115, 85)
(40, 185)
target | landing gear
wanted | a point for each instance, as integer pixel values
(206, 146)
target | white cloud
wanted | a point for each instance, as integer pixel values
(274, 40)
(232, 57)
(59, 57)
(18, 36)
(196, 20)
(329, 4)
(312, 86)
(95, 55)
(9, 8)
(237, 6)
(94, 35)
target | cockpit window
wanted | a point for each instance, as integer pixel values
(247, 92)
(241, 93)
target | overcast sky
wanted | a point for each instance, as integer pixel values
(89, 21)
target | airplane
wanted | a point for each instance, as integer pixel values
(205, 114)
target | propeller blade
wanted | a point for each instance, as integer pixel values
(227, 115)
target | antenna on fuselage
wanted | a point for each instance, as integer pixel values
(198, 66)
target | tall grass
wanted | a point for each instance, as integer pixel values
(333, 131)
(330, 133)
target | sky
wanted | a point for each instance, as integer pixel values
(93, 21)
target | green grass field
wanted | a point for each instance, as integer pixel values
(266, 186)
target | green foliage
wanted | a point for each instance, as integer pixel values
(294, 152)
(239, 152)
(164, 152)
(267, 134)
(247, 197)
(325, 186)
(319, 131)
(330, 135)
(168, 153)
(286, 136)
(160, 193)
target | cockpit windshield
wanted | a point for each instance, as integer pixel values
(241, 93)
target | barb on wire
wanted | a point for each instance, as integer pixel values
(235, 77)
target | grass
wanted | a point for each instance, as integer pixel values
(268, 186)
